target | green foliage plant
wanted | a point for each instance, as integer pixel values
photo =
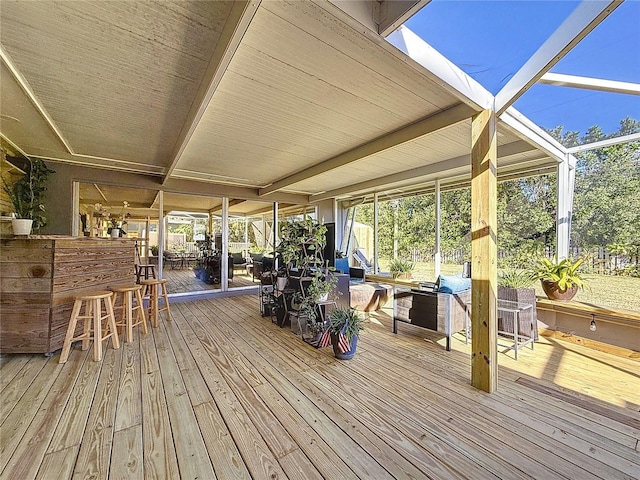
(321, 284)
(563, 272)
(302, 243)
(512, 278)
(349, 317)
(399, 266)
(27, 193)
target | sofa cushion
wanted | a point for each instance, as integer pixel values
(452, 284)
(342, 264)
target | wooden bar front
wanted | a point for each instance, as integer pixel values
(41, 275)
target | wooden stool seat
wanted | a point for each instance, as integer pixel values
(130, 312)
(153, 289)
(144, 271)
(93, 324)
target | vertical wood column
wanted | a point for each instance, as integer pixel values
(484, 273)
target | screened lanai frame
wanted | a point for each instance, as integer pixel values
(560, 42)
(456, 98)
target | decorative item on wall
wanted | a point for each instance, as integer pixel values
(116, 222)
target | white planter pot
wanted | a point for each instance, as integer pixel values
(21, 226)
(115, 233)
(281, 282)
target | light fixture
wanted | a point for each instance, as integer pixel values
(593, 326)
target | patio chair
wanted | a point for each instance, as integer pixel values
(361, 258)
(173, 259)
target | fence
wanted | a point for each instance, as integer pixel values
(597, 259)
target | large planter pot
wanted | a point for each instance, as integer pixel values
(554, 293)
(527, 319)
(349, 353)
(21, 226)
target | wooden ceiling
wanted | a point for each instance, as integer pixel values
(267, 98)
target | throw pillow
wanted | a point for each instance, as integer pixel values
(452, 284)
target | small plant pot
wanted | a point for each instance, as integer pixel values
(553, 292)
(115, 233)
(21, 226)
(281, 282)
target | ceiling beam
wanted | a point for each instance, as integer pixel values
(387, 180)
(359, 10)
(232, 202)
(237, 23)
(589, 83)
(393, 13)
(405, 134)
(192, 187)
(586, 16)
(438, 168)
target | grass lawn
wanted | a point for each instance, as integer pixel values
(603, 290)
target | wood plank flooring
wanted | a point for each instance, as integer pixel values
(221, 392)
(181, 280)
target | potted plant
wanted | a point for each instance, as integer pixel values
(560, 279)
(301, 248)
(26, 196)
(345, 325)
(318, 289)
(401, 268)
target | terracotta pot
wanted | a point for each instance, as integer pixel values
(554, 293)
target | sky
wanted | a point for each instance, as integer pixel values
(491, 40)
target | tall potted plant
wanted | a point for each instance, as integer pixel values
(26, 195)
(560, 279)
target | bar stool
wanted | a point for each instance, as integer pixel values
(127, 307)
(145, 271)
(153, 289)
(93, 328)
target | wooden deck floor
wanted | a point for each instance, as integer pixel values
(221, 392)
(181, 280)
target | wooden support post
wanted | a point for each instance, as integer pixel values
(484, 272)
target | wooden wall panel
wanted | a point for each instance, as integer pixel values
(24, 329)
(40, 278)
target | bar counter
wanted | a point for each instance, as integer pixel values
(40, 275)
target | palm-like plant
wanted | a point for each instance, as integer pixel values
(347, 321)
(563, 272)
